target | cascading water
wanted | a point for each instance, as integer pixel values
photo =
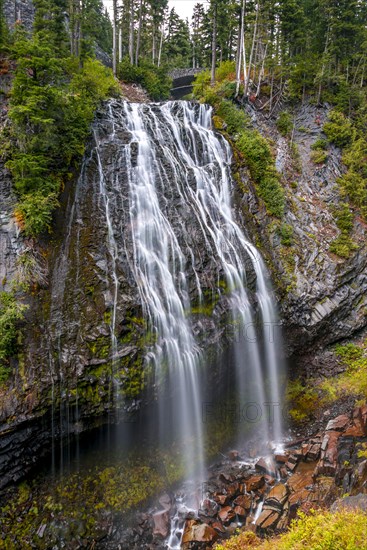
(170, 167)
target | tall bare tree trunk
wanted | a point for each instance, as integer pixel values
(161, 44)
(245, 93)
(114, 38)
(261, 73)
(131, 34)
(153, 43)
(120, 44)
(137, 51)
(240, 47)
(214, 44)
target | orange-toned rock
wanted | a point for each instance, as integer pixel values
(226, 514)
(268, 518)
(255, 482)
(277, 496)
(239, 511)
(221, 499)
(197, 532)
(244, 501)
(338, 424)
(329, 453)
(219, 527)
(282, 458)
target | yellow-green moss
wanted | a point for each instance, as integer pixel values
(320, 530)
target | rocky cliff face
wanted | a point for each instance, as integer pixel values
(68, 376)
(322, 297)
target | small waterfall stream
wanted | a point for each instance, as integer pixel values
(174, 174)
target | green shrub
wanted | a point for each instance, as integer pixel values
(343, 246)
(201, 82)
(319, 144)
(260, 163)
(154, 79)
(225, 71)
(34, 212)
(354, 182)
(11, 313)
(338, 129)
(319, 530)
(302, 399)
(52, 106)
(285, 232)
(352, 382)
(318, 156)
(257, 152)
(344, 218)
(284, 123)
(235, 119)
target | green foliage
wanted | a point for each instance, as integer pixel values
(302, 399)
(154, 79)
(260, 162)
(344, 218)
(225, 71)
(353, 183)
(318, 156)
(34, 212)
(343, 245)
(11, 313)
(237, 121)
(319, 144)
(354, 380)
(284, 123)
(318, 530)
(286, 234)
(52, 106)
(201, 82)
(338, 129)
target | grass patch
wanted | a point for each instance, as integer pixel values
(318, 156)
(302, 400)
(344, 530)
(354, 380)
(11, 314)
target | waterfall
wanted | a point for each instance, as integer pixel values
(172, 172)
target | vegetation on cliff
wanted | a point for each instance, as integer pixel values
(11, 312)
(252, 148)
(305, 398)
(52, 105)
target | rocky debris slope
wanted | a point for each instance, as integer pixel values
(265, 494)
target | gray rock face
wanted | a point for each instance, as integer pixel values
(9, 242)
(21, 11)
(322, 298)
